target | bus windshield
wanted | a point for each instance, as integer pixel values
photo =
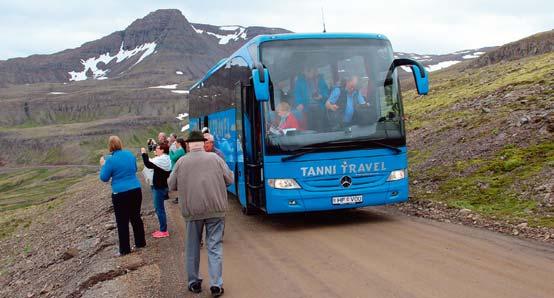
(331, 91)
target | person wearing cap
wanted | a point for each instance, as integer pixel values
(201, 179)
(209, 145)
(343, 100)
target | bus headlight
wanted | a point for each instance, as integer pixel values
(283, 183)
(397, 175)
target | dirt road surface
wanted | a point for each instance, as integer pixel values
(361, 253)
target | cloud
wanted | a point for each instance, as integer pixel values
(425, 26)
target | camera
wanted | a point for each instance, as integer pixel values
(151, 144)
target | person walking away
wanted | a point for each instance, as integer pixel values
(209, 146)
(179, 152)
(161, 164)
(201, 179)
(121, 168)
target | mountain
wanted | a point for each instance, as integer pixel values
(132, 72)
(436, 62)
(481, 142)
(131, 82)
(160, 45)
(59, 108)
(537, 44)
(158, 48)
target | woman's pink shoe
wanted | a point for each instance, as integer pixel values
(160, 234)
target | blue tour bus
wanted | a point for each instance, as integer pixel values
(347, 156)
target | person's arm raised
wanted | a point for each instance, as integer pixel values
(106, 171)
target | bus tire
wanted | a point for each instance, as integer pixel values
(247, 210)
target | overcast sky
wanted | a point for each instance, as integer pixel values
(424, 27)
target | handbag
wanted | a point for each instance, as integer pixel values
(148, 175)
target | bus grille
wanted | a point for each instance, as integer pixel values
(333, 183)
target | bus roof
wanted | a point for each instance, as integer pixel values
(289, 36)
(243, 51)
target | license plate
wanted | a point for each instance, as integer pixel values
(347, 200)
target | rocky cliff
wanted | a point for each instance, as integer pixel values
(537, 44)
(160, 44)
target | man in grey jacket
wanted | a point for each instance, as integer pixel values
(201, 179)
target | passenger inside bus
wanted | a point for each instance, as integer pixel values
(310, 92)
(287, 120)
(344, 101)
(283, 91)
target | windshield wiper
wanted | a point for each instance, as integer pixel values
(374, 142)
(324, 145)
(337, 145)
(297, 154)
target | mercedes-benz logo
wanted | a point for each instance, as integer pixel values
(346, 181)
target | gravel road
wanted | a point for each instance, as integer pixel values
(361, 253)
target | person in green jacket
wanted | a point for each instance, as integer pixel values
(174, 155)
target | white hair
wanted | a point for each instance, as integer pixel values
(209, 137)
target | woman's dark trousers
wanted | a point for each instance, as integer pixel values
(127, 208)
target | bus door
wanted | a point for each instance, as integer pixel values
(250, 165)
(239, 158)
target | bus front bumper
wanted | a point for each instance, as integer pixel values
(298, 200)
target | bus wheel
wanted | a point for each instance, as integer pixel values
(248, 210)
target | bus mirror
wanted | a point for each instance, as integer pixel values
(421, 76)
(422, 81)
(260, 76)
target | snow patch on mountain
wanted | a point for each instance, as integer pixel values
(434, 67)
(91, 64)
(406, 68)
(440, 65)
(229, 28)
(180, 91)
(182, 116)
(238, 32)
(148, 49)
(172, 86)
(197, 30)
(474, 55)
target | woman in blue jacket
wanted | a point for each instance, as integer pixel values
(121, 167)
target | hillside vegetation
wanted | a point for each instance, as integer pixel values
(483, 140)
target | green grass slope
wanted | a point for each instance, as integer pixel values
(483, 139)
